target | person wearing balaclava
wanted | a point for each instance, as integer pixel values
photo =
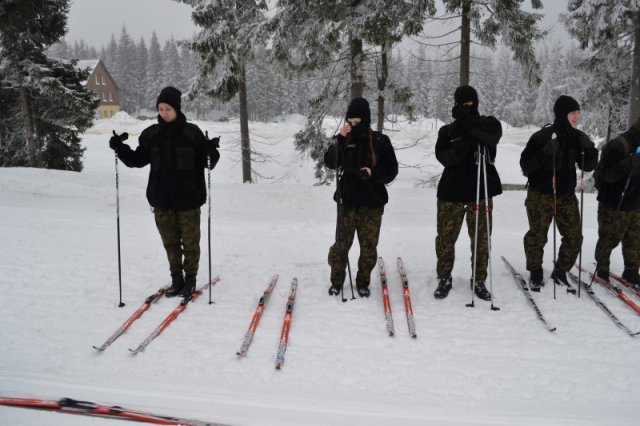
(563, 143)
(456, 149)
(367, 163)
(617, 178)
(177, 152)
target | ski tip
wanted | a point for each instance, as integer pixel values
(551, 329)
(415, 336)
(133, 351)
(99, 349)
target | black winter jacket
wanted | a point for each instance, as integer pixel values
(354, 154)
(178, 157)
(456, 150)
(615, 172)
(538, 166)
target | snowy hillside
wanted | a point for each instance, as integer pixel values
(59, 279)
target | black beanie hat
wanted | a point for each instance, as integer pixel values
(465, 94)
(359, 108)
(170, 95)
(563, 106)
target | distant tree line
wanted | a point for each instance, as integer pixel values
(312, 57)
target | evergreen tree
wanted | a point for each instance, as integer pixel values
(611, 30)
(45, 106)
(153, 82)
(230, 33)
(126, 71)
(487, 20)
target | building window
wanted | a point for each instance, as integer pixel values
(110, 97)
(104, 96)
(103, 80)
(97, 79)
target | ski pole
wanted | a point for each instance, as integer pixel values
(476, 207)
(581, 215)
(555, 207)
(340, 230)
(487, 209)
(123, 137)
(209, 212)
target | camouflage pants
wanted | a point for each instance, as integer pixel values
(366, 221)
(450, 217)
(180, 233)
(540, 215)
(613, 228)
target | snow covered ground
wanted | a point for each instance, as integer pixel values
(59, 279)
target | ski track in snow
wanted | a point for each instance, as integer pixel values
(58, 272)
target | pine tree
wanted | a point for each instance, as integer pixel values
(45, 106)
(488, 20)
(230, 33)
(153, 83)
(610, 30)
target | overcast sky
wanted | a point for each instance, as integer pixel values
(95, 20)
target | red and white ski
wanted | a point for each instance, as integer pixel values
(137, 314)
(408, 308)
(173, 315)
(286, 325)
(262, 303)
(385, 297)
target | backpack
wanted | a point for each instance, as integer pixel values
(598, 171)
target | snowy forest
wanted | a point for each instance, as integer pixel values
(255, 59)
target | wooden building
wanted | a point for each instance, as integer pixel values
(101, 82)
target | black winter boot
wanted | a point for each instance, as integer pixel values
(444, 286)
(536, 280)
(560, 277)
(363, 290)
(632, 277)
(335, 289)
(189, 285)
(177, 283)
(481, 291)
(603, 274)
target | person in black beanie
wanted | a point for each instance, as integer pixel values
(456, 149)
(177, 152)
(569, 147)
(368, 162)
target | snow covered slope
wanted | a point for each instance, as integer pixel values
(59, 281)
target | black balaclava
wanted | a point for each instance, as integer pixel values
(465, 94)
(563, 106)
(359, 108)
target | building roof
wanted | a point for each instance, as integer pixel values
(91, 64)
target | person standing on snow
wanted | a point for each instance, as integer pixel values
(177, 152)
(618, 173)
(367, 162)
(457, 149)
(568, 146)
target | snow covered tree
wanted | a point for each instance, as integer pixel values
(312, 37)
(153, 83)
(611, 30)
(488, 20)
(45, 106)
(229, 35)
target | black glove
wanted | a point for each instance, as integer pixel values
(363, 175)
(584, 142)
(212, 146)
(116, 140)
(551, 147)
